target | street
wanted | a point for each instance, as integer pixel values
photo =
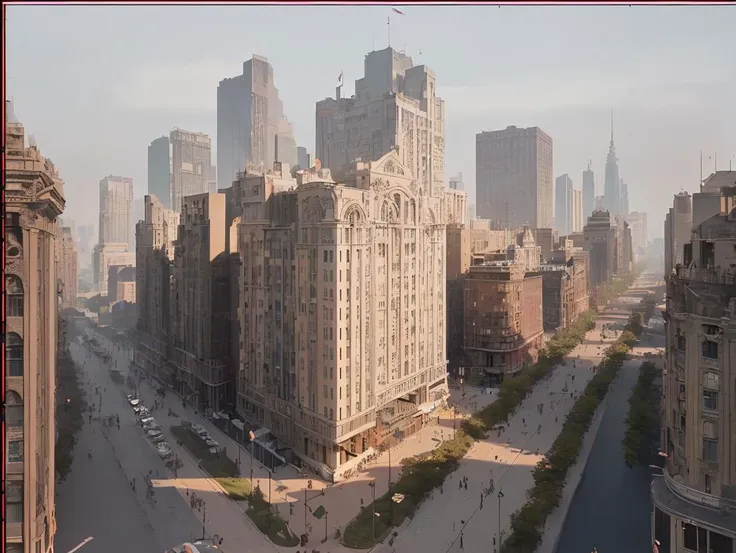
(96, 499)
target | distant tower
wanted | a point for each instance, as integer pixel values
(588, 192)
(612, 182)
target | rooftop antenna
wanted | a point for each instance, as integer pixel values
(611, 126)
(701, 169)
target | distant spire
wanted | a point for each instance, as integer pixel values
(611, 128)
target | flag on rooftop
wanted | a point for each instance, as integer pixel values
(339, 78)
(397, 11)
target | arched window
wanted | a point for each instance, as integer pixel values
(14, 421)
(14, 354)
(14, 292)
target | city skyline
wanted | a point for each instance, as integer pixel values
(472, 106)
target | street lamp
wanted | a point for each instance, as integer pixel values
(325, 525)
(204, 518)
(500, 495)
(373, 507)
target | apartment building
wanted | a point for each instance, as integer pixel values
(34, 199)
(503, 310)
(600, 242)
(105, 256)
(395, 108)
(155, 239)
(199, 305)
(678, 225)
(565, 293)
(343, 307)
(191, 165)
(695, 498)
(116, 211)
(68, 268)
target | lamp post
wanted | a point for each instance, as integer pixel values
(500, 495)
(204, 518)
(252, 437)
(373, 507)
(306, 532)
(325, 525)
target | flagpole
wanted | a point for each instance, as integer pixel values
(389, 31)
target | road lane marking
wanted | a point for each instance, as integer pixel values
(84, 542)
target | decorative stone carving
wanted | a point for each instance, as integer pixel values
(380, 185)
(388, 167)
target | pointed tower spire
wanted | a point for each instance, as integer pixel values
(611, 127)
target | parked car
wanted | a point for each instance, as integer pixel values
(157, 439)
(137, 409)
(153, 433)
(129, 397)
(163, 449)
(152, 426)
(143, 412)
(134, 401)
(211, 443)
(147, 420)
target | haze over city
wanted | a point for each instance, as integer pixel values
(96, 84)
(380, 279)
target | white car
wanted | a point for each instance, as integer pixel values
(143, 412)
(153, 433)
(134, 401)
(157, 439)
(137, 409)
(147, 420)
(211, 443)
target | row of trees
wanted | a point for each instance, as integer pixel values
(421, 475)
(642, 421)
(527, 524)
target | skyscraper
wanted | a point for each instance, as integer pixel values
(159, 170)
(249, 118)
(302, 157)
(191, 156)
(588, 192)
(395, 107)
(514, 177)
(34, 199)
(575, 216)
(612, 182)
(116, 211)
(456, 182)
(563, 203)
(624, 198)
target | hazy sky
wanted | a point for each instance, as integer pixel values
(96, 84)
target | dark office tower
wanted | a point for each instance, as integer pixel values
(612, 182)
(159, 170)
(249, 117)
(514, 177)
(588, 192)
(563, 201)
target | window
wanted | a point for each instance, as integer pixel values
(14, 495)
(14, 354)
(13, 410)
(14, 292)
(15, 451)
(707, 484)
(710, 349)
(710, 450)
(709, 430)
(711, 381)
(710, 400)
(681, 344)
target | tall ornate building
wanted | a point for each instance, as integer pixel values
(695, 499)
(34, 199)
(343, 306)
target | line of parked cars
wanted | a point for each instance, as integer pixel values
(206, 438)
(151, 427)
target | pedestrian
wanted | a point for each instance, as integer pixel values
(461, 542)
(466, 485)
(460, 485)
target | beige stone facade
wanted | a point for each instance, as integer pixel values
(68, 267)
(607, 240)
(565, 288)
(351, 278)
(155, 238)
(198, 366)
(116, 211)
(34, 199)
(105, 256)
(695, 499)
(191, 162)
